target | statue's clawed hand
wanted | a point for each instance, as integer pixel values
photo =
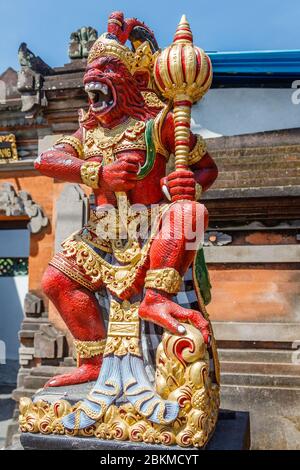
(121, 175)
(180, 185)
(159, 308)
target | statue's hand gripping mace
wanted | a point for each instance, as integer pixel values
(183, 74)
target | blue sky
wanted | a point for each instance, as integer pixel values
(217, 25)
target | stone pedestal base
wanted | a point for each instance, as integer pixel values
(232, 430)
(232, 433)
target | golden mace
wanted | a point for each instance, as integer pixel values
(183, 74)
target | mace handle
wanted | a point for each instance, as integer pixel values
(182, 124)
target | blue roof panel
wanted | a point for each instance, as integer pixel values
(256, 66)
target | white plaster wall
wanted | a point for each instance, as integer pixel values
(12, 295)
(13, 244)
(235, 111)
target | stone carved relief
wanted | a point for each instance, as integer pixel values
(81, 42)
(30, 79)
(17, 204)
(217, 239)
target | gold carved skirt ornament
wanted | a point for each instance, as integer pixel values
(94, 260)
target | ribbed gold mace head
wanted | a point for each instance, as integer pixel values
(182, 73)
(183, 68)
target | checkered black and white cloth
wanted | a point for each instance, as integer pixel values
(151, 333)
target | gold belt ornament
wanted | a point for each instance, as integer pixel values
(123, 334)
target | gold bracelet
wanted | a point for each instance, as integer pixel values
(166, 279)
(198, 151)
(156, 135)
(90, 174)
(87, 349)
(74, 143)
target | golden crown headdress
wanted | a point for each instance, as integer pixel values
(105, 46)
(112, 43)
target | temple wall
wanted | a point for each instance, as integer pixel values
(41, 190)
(258, 295)
(265, 159)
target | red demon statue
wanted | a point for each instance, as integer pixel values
(122, 147)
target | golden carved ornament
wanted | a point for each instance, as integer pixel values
(86, 349)
(143, 58)
(9, 151)
(198, 151)
(166, 279)
(140, 59)
(116, 278)
(152, 100)
(106, 47)
(95, 232)
(107, 142)
(43, 417)
(90, 174)
(157, 131)
(75, 143)
(123, 330)
(182, 374)
(126, 253)
(198, 192)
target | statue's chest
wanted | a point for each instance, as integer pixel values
(107, 143)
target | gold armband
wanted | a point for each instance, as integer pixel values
(87, 349)
(198, 151)
(166, 279)
(90, 174)
(198, 192)
(73, 142)
(157, 129)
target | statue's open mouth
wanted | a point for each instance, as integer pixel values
(101, 96)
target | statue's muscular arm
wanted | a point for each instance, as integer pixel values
(63, 162)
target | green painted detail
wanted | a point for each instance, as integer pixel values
(151, 152)
(202, 276)
(11, 267)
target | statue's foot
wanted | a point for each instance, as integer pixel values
(159, 308)
(86, 372)
(104, 393)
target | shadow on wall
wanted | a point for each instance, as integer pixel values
(12, 291)
(7, 408)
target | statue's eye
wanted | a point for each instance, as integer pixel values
(108, 70)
